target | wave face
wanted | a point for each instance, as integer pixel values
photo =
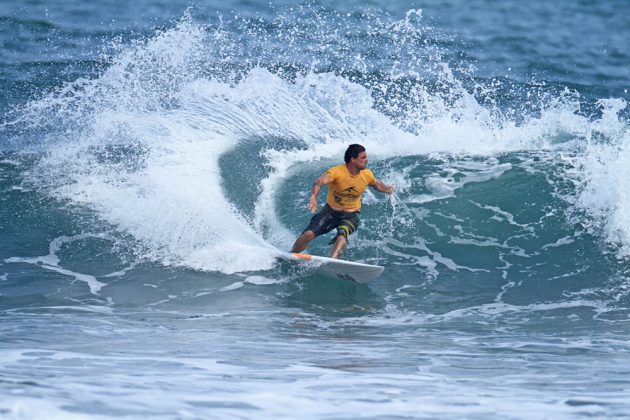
(156, 180)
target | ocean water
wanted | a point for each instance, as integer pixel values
(156, 156)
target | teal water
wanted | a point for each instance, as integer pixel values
(154, 158)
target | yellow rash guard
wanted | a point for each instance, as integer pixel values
(344, 192)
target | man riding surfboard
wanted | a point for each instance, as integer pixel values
(346, 183)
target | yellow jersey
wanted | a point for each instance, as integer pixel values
(344, 192)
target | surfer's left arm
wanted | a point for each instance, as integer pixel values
(382, 187)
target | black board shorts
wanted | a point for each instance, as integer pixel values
(346, 222)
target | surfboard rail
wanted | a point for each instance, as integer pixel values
(335, 268)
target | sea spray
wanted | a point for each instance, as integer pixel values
(140, 143)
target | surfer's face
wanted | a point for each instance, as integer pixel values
(361, 161)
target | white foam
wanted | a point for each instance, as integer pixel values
(560, 242)
(443, 185)
(233, 286)
(156, 99)
(502, 215)
(605, 172)
(51, 262)
(26, 407)
(10, 162)
(260, 280)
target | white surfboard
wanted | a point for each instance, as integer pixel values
(339, 269)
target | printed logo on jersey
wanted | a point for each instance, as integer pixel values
(348, 195)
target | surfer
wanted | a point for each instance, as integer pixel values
(346, 183)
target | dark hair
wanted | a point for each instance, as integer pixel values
(353, 152)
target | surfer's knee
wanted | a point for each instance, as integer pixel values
(341, 239)
(309, 235)
(344, 231)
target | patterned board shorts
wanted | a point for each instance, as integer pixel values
(328, 219)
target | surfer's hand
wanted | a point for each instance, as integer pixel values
(312, 204)
(384, 188)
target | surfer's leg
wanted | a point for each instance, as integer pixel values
(322, 222)
(302, 241)
(339, 246)
(348, 223)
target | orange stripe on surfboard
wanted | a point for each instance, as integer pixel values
(302, 256)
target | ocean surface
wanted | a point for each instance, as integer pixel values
(155, 157)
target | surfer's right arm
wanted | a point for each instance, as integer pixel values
(325, 179)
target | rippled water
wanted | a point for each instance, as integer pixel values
(155, 158)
